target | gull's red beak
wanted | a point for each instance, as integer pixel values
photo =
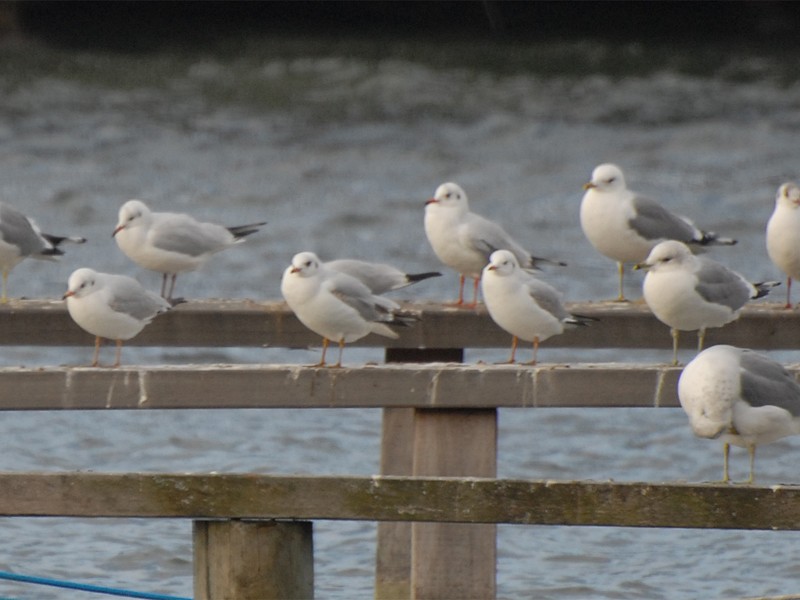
(117, 230)
(431, 201)
(67, 294)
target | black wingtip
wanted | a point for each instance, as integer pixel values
(240, 231)
(414, 277)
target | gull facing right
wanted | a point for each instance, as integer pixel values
(20, 238)
(626, 226)
(688, 292)
(783, 235)
(524, 306)
(740, 397)
(336, 305)
(464, 241)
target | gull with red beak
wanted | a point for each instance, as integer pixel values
(336, 305)
(527, 308)
(171, 243)
(783, 235)
(464, 241)
(114, 307)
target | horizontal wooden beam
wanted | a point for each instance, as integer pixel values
(420, 499)
(235, 323)
(431, 385)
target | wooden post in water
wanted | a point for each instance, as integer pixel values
(253, 560)
(393, 556)
(452, 560)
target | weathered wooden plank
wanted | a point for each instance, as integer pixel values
(242, 323)
(433, 385)
(423, 499)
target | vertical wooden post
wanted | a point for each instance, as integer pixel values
(452, 560)
(253, 560)
(393, 554)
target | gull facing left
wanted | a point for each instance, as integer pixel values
(625, 226)
(114, 307)
(463, 240)
(740, 397)
(524, 306)
(337, 306)
(172, 243)
(688, 292)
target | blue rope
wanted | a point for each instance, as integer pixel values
(84, 587)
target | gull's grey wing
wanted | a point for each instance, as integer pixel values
(182, 234)
(130, 298)
(17, 230)
(718, 284)
(486, 236)
(379, 278)
(547, 297)
(355, 294)
(654, 222)
(765, 382)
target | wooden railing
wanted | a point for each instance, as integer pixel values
(437, 499)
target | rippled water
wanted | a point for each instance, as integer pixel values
(337, 144)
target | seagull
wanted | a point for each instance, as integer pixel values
(378, 277)
(114, 307)
(463, 240)
(21, 238)
(740, 397)
(688, 292)
(625, 226)
(171, 243)
(783, 235)
(524, 306)
(336, 305)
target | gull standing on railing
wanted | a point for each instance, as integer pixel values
(625, 226)
(688, 292)
(171, 243)
(740, 397)
(114, 307)
(524, 306)
(337, 306)
(463, 240)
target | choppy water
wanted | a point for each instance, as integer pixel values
(337, 144)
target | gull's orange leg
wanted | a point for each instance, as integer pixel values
(535, 351)
(118, 354)
(325, 343)
(96, 351)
